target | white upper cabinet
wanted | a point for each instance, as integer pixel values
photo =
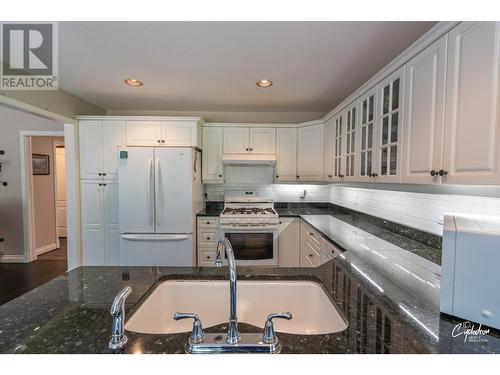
(236, 140)
(90, 137)
(389, 122)
(262, 140)
(338, 136)
(351, 143)
(212, 169)
(174, 133)
(310, 153)
(367, 136)
(329, 149)
(99, 142)
(286, 154)
(424, 114)
(472, 125)
(242, 140)
(144, 133)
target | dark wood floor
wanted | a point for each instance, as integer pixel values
(19, 278)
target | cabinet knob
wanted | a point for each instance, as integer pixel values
(158, 141)
(209, 257)
(329, 176)
(100, 184)
(251, 149)
(373, 175)
(103, 184)
(298, 176)
(4, 183)
(208, 238)
(247, 149)
(281, 222)
(162, 141)
(100, 174)
(442, 172)
(277, 176)
(208, 222)
(310, 255)
(433, 173)
(220, 175)
(104, 174)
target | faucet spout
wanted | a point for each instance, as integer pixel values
(225, 247)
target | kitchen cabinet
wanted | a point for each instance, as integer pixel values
(212, 169)
(175, 133)
(99, 142)
(207, 238)
(310, 242)
(286, 154)
(351, 144)
(310, 153)
(472, 113)
(100, 229)
(424, 114)
(243, 140)
(338, 133)
(289, 242)
(329, 162)
(389, 128)
(367, 135)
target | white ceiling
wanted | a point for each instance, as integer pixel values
(212, 66)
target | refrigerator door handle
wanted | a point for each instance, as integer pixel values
(154, 237)
(150, 194)
(159, 203)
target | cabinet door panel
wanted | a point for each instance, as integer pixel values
(144, 133)
(92, 224)
(262, 140)
(310, 153)
(329, 149)
(351, 143)
(111, 219)
(424, 114)
(236, 140)
(286, 154)
(289, 242)
(113, 136)
(90, 134)
(367, 136)
(338, 135)
(212, 155)
(472, 129)
(179, 134)
(389, 127)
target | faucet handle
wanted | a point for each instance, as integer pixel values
(197, 331)
(269, 336)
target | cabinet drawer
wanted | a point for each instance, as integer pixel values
(208, 236)
(207, 257)
(328, 250)
(208, 222)
(310, 257)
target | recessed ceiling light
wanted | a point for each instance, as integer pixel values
(264, 83)
(133, 82)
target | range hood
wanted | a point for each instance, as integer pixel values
(247, 159)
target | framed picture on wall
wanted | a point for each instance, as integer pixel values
(41, 165)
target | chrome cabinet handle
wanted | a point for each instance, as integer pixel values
(197, 331)
(269, 336)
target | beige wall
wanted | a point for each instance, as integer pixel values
(59, 101)
(13, 121)
(44, 202)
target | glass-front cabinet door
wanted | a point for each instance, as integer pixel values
(389, 125)
(366, 131)
(338, 136)
(351, 142)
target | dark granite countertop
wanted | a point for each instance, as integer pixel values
(70, 314)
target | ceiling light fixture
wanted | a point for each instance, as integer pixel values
(134, 82)
(263, 83)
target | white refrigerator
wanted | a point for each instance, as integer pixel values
(160, 192)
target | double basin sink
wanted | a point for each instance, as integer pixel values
(313, 312)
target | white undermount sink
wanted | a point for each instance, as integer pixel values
(313, 312)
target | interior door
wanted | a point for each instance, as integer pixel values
(136, 189)
(173, 190)
(60, 192)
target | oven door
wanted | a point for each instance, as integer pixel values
(253, 246)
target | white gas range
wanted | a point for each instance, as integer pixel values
(250, 223)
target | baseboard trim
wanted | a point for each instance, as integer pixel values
(6, 258)
(46, 248)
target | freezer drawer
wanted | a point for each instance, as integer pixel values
(157, 250)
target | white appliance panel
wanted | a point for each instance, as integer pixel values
(167, 250)
(136, 190)
(173, 190)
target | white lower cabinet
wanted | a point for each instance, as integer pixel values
(310, 242)
(207, 238)
(289, 242)
(100, 229)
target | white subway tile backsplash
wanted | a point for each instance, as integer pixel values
(418, 210)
